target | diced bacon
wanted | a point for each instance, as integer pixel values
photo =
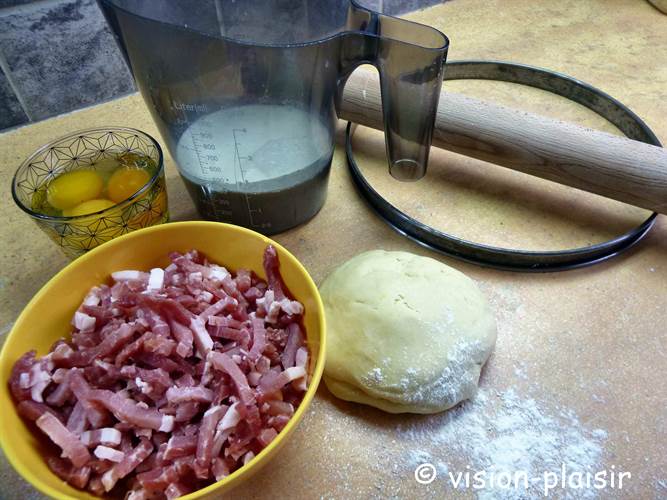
(266, 436)
(39, 380)
(185, 411)
(248, 457)
(156, 279)
(180, 394)
(258, 339)
(291, 307)
(129, 350)
(147, 433)
(224, 321)
(62, 393)
(242, 336)
(272, 381)
(224, 363)
(94, 297)
(77, 421)
(158, 344)
(94, 414)
(280, 408)
(200, 366)
(184, 337)
(72, 447)
(180, 446)
(206, 434)
(83, 322)
(106, 453)
(95, 486)
(130, 276)
(202, 339)
(300, 384)
(253, 378)
(156, 323)
(126, 410)
(231, 418)
(175, 490)
(272, 270)
(217, 273)
(32, 410)
(129, 463)
(159, 478)
(107, 436)
(76, 476)
(219, 469)
(226, 303)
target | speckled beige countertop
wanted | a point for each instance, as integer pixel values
(578, 375)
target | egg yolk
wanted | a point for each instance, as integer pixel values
(88, 207)
(125, 182)
(73, 188)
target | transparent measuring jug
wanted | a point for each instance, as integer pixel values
(244, 92)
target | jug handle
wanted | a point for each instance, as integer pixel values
(410, 60)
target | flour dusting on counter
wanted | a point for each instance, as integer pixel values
(501, 432)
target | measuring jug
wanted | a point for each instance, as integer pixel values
(244, 92)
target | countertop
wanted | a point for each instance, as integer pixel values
(578, 374)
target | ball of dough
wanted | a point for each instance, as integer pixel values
(405, 333)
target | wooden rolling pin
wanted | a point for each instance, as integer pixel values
(616, 167)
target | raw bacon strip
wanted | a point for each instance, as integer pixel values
(272, 381)
(129, 350)
(158, 344)
(201, 336)
(272, 270)
(218, 307)
(266, 436)
(185, 411)
(158, 479)
(126, 410)
(129, 463)
(106, 453)
(224, 321)
(77, 421)
(280, 408)
(83, 322)
(219, 469)
(157, 325)
(183, 336)
(258, 339)
(206, 434)
(32, 410)
(301, 361)
(72, 447)
(39, 380)
(76, 476)
(130, 276)
(231, 418)
(95, 415)
(294, 341)
(180, 394)
(224, 363)
(62, 393)
(231, 334)
(180, 446)
(175, 490)
(107, 436)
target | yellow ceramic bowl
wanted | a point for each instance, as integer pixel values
(47, 316)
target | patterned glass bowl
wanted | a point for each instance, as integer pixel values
(84, 150)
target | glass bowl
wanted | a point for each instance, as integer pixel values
(92, 149)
